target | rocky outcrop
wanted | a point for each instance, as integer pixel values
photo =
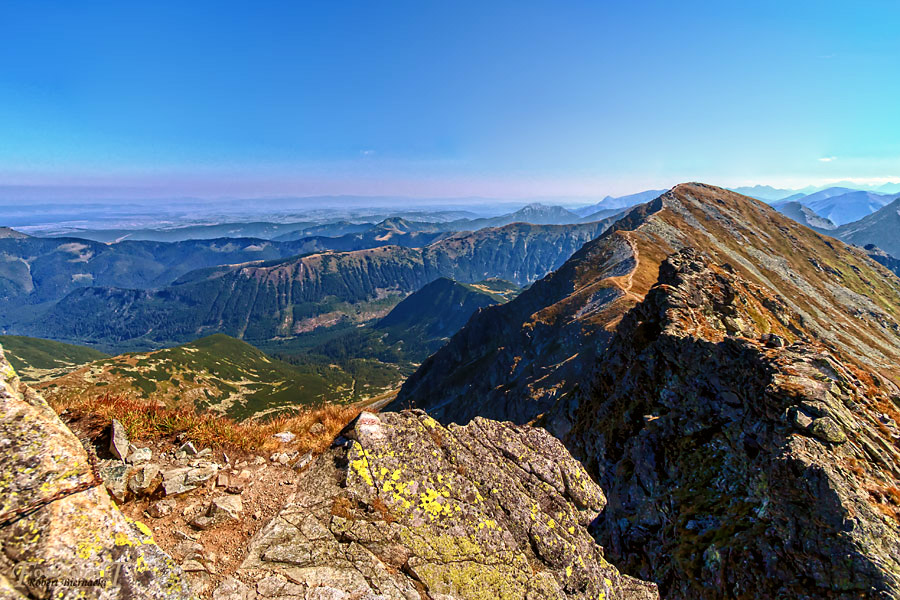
(409, 509)
(741, 457)
(61, 535)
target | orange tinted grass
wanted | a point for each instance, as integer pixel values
(148, 422)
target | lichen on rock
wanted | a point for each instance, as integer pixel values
(410, 509)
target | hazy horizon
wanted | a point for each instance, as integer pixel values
(505, 101)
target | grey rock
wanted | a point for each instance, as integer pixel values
(144, 479)
(827, 430)
(115, 477)
(188, 448)
(465, 512)
(233, 589)
(118, 442)
(77, 535)
(162, 508)
(139, 455)
(285, 437)
(221, 509)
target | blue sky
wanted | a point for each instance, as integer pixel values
(422, 98)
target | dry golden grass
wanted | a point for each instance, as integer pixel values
(147, 422)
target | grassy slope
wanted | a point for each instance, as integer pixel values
(218, 373)
(36, 359)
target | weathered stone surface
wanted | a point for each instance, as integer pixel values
(411, 509)
(161, 508)
(140, 455)
(115, 476)
(78, 535)
(233, 589)
(184, 479)
(221, 509)
(144, 479)
(759, 474)
(118, 441)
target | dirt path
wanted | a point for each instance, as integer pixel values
(629, 279)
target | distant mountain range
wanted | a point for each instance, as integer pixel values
(881, 228)
(228, 376)
(284, 297)
(619, 203)
(804, 215)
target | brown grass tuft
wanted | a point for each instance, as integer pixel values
(149, 422)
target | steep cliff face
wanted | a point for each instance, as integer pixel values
(410, 509)
(56, 526)
(741, 456)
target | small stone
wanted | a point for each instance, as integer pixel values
(115, 478)
(774, 341)
(200, 474)
(144, 479)
(798, 418)
(221, 509)
(187, 550)
(174, 481)
(118, 442)
(825, 429)
(302, 462)
(285, 437)
(204, 452)
(192, 565)
(188, 448)
(139, 455)
(162, 508)
(258, 460)
(222, 480)
(317, 429)
(232, 589)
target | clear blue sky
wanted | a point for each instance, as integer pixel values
(491, 98)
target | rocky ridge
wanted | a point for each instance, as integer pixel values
(741, 456)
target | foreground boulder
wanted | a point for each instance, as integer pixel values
(410, 509)
(61, 536)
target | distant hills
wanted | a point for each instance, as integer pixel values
(229, 376)
(881, 228)
(37, 360)
(804, 215)
(265, 300)
(217, 373)
(842, 206)
(619, 203)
